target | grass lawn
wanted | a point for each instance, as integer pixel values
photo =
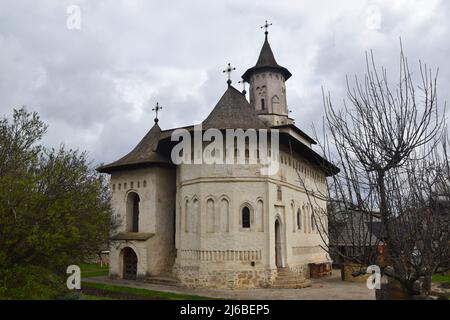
(441, 278)
(113, 292)
(93, 270)
(91, 297)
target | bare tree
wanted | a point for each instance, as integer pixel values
(394, 176)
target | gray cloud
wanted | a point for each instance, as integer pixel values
(96, 86)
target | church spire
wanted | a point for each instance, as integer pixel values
(266, 60)
(267, 86)
(244, 92)
(156, 109)
(266, 28)
(228, 70)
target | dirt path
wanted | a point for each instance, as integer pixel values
(328, 288)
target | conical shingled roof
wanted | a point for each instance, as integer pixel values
(143, 153)
(233, 112)
(266, 61)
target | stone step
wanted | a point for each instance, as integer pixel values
(293, 285)
(287, 279)
(296, 280)
(286, 273)
(290, 276)
(286, 282)
(162, 280)
(281, 270)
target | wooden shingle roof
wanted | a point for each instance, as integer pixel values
(143, 153)
(232, 112)
(266, 62)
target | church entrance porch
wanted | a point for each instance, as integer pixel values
(129, 264)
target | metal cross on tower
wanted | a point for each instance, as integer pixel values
(156, 109)
(228, 70)
(266, 27)
(244, 92)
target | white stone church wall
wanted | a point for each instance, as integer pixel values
(209, 254)
(156, 189)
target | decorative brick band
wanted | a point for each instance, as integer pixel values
(218, 255)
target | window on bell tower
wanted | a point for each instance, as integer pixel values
(263, 107)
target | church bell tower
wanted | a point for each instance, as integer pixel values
(267, 87)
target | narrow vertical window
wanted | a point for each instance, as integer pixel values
(263, 107)
(245, 217)
(133, 201)
(136, 213)
(279, 194)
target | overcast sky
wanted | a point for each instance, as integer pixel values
(95, 86)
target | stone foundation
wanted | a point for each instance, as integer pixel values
(302, 271)
(197, 277)
(208, 277)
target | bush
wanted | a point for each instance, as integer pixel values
(54, 211)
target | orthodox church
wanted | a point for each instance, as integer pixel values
(222, 225)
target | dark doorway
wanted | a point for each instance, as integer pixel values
(129, 264)
(278, 254)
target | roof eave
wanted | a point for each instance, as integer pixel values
(297, 130)
(110, 168)
(257, 69)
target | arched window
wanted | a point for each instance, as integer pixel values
(224, 215)
(195, 216)
(186, 216)
(260, 215)
(210, 216)
(275, 101)
(133, 212)
(299, 219)
(245, 217)
(262, 104)
(305, 214)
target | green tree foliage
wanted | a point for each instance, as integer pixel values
(54, 210)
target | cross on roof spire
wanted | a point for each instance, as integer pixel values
(244, 92)
(228, 70)
(156, 109)
(266, 27)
